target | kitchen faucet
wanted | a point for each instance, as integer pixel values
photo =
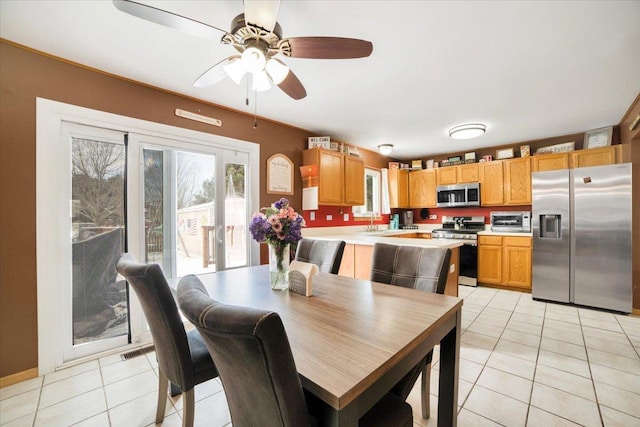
(372, 227)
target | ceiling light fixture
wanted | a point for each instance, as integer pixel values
(467, 131)
(385, 149)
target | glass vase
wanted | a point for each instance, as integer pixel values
(279, 267)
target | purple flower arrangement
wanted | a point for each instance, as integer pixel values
(279, 225)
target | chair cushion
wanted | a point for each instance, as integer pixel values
(203, 367)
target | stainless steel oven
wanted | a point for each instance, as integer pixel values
(465, 229)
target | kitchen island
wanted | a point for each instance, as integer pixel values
(356, 261)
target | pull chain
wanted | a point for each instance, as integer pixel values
(246, 99)
(255, 110)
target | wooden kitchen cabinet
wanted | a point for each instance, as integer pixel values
(467, 173)
(505, 182)
(356, 261)
(491, 176)
(490, 259)
(422, 189)
(517, 252)
(447, 175)
(353, 181)
(517, 181)
(549, 162)
(340, 177)
(505, 261)
(594, 157)
(398, 188)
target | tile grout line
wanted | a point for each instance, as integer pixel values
(593, 381)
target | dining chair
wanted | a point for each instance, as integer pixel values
(326, 254)
(414, 267)
(256, 365)
(183, 358)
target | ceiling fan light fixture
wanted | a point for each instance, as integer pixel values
(260, 82)
(385, 149)
(254, 59)
(236, 69)
(467, 131)
(277, 70)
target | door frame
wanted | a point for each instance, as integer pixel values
(49, 206)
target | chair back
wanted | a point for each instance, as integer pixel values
(326, 254)
(414, 267)
(165, 323)
(252, 353)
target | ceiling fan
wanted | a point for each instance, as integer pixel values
(257, 37)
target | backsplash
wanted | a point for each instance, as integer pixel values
(479, 211)
(337, 214)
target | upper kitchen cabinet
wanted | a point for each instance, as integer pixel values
(468, 173)
(447, 175)
(595, 156)
(491, 176)
(422, 188)
(458, 174)
(505, 182)
(549, 162)
(517, 181)
(340, 177)
(354, 181)
(398, 188)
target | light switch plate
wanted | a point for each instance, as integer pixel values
(346, 217)
(329, 217)
(312, 216)
(452, 268)
(433, 216)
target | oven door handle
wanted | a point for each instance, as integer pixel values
(470, 243)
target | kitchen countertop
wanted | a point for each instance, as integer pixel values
(382, 236)
(488, 232)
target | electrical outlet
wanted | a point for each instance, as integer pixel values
(312, 216)
(452, 268)
(345, 217)
(329, 217)
(433, 216)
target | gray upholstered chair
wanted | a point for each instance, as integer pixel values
(183, 358)
(326, 254)
(414, 267)
(257, 370)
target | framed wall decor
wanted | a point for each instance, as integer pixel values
(279, 175)
(506, 153)
(598, 137)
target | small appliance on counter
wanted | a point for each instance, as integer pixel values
(394, 222)
(511, 222)
(407, 221)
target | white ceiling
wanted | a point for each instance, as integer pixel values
(528, 70)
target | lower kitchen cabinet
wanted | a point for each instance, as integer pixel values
(356, 261)
(490, 259)
(505, 261)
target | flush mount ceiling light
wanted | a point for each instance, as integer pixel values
(385, 149)
(467, 131)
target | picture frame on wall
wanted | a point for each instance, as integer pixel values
(598, 137)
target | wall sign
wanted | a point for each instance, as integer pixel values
(279, 175)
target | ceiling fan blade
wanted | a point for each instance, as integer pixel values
(169, 19)
(262, 13)
(214, 74)
(292, 86)
(329, 48)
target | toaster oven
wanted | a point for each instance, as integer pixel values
(512, 222)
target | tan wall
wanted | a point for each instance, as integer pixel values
(25, 75)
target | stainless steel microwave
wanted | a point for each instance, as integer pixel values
(458, 195)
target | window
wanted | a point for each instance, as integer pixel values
(372, 180)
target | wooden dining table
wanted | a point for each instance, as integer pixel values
(354, 339)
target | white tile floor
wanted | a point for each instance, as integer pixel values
(523, 363)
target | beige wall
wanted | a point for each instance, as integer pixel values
(25, 75)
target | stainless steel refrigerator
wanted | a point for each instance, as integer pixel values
(581, 225)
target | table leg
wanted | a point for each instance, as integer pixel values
(449, 367)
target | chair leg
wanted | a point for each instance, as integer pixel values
(426, 386)
(163, 386)
(188, 408)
